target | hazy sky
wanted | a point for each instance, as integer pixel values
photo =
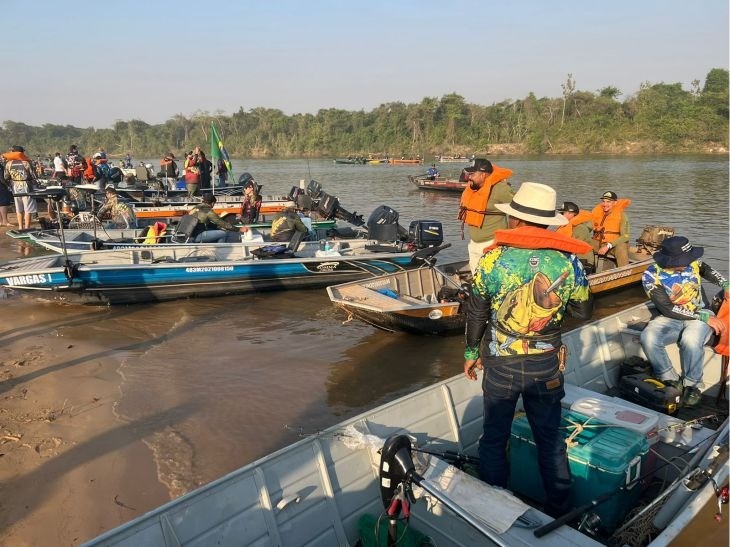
(92, 63)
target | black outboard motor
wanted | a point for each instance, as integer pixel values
(426, 233)
(314, 189)
(383, 225)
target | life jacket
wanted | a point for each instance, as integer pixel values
(9, 156)
(580, 218)
(532, 237)
(722, 346)
(89, 171)
(473, 206)
(155, 233)
(607, 227)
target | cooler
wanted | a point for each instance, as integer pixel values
(602, 459)
(613, 412)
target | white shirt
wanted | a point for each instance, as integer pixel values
(58, 164)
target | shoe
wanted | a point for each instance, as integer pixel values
(691, 397)
(676, 384)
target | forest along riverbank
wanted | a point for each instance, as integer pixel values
(109, 412)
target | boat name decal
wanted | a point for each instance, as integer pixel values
(19, 280)
(327, 266)
(610, 277)
(210, 269)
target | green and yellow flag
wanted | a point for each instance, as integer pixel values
(218, 151)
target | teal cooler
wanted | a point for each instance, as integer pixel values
(602, 459)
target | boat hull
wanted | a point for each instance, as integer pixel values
(158, 274)
(440, 184)
(419, 312)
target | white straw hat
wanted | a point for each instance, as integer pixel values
(534, 202)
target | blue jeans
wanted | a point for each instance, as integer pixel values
(211, 236)
(540, 383)
(690, 335)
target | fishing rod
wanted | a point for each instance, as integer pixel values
(578, 511)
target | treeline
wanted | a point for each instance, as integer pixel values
(663, 118)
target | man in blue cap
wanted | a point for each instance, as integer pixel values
(674, 285)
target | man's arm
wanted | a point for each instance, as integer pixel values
(625, 230)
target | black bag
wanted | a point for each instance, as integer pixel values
(273, 251)
(650, 393)
(635, 365)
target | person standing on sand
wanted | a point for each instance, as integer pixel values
(6, 198)
(19, 171)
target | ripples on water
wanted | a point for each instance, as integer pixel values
(249, 365)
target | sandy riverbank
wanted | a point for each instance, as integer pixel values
(69, 468)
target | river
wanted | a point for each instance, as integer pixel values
(261, 368)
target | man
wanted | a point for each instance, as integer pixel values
(611, 230)
(522, 288)
(19, 173)
(211, 228)
(674, 285)
(285, 224)
(579, 226)
(432, 172)
(59, 167)
(76, 165)
(170, 171)
(120, 213)
(487, 187)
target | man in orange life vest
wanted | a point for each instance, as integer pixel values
(611, 230)
(487, 187)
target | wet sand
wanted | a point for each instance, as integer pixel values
(69, 468)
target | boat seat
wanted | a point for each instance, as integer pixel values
(184, 229)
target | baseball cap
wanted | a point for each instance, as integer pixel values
(609, 195)
(569, 207)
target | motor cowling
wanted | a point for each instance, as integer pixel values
(426, 233)
(382, 224)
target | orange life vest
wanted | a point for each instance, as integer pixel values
(473, 206)
(532, 237)
(89, 172)
(10, 156)
(722, 346)
(607, 227)
(580, 218)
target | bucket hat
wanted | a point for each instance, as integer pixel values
(676, 252)
(534, 202)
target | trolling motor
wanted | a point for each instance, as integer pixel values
(397, 477)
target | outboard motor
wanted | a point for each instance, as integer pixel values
(426, 233)
(314, 189)
(383, 224)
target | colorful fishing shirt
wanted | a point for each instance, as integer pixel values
(527, 292)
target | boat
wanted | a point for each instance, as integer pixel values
(440, 183)
(223, 206)
(454, 159)
(156, 273)
(126, 238)
(358, 160)
(406, 161)
(429, 300)
(403, 468)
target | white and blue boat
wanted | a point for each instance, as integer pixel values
(166, 272)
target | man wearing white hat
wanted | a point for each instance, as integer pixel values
(523, 286)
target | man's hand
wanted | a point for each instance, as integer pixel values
(717, 325)
(604, 249)
(470, 368)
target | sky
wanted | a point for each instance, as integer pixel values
(91, 64)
